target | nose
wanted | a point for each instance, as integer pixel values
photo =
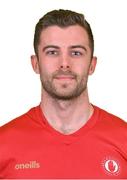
(65, 62)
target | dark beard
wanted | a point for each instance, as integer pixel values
(52, 91)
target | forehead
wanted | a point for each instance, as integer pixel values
(64, 36)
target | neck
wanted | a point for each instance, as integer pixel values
(69, 115)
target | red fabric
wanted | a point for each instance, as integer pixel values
(31, 148)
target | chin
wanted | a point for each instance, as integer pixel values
(65, 95)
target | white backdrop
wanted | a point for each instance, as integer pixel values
(20, 87)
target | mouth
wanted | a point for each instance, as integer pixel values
(63, 77)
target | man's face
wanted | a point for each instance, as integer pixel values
(64, 61)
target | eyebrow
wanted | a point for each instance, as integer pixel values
(71, 47)
(78, 46)
(50, 46)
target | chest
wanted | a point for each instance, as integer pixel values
(51, 157)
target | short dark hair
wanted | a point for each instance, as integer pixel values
(62, 18)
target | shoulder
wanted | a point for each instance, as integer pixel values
(110, 125)
(18, 124)
(111, 130)
(109, 118)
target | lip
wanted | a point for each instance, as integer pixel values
(65, 77)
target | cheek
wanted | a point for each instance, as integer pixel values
(81, 70)
(49, 64)
(46, 70)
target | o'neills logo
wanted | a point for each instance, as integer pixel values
(29, 165)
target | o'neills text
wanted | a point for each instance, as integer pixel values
(29, 165)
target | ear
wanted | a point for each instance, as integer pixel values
(35, 64)
(92, 65)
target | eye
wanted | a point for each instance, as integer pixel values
(52, 52)
(76, 53)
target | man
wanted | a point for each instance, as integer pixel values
(65, 136)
